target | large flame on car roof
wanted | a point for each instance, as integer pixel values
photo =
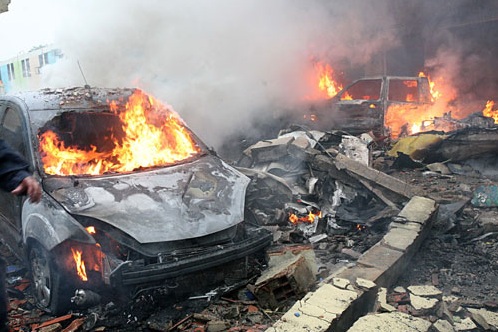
(152, 134)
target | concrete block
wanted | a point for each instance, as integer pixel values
(399, 238)
(412, 226)
(287, 277)
(419, 209)
(269, 150)
(380, 256)
(332, 298)
(363, 272)
(298, 147)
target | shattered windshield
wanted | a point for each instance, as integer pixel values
(142, 133)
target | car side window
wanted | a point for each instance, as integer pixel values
(364, 89)
(11, 130)
(403, 90)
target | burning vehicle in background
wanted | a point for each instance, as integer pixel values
(383, 105)
(132, 199)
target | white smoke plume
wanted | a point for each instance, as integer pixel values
(219, 63)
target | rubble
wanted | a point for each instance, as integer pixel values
(365, 212)
(289, 276)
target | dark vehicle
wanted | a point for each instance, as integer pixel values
(132, 200)
(378, 104)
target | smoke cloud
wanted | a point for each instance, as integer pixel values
(221, 64)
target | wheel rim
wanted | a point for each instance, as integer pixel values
(41, 277)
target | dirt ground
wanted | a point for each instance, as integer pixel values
(459, 257)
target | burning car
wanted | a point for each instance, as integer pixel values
(383, 105)
(132, 200)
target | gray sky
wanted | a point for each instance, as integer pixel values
(28, 23)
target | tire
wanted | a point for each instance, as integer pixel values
(52, 294)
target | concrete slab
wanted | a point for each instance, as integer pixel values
(426, 291)
(390, 322)
(489, 316)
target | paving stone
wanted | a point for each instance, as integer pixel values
(399, 289)
(420, 303)
(489, 316)
(465, 325)
(426, 291)
(364, 283)
(382, 298)
(340, 283)
(442, 326)
(390, 322)
(294, 321)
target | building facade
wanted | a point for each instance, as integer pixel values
(23, 72)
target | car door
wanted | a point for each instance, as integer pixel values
(359, 107)
(13, 132)
(407, 106)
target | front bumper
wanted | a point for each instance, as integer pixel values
(129, 274)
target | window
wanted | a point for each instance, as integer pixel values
(11, 120)
(40, 60)
(10, 72)
(26, 69)
(364, 89)
(403, 90)
(12, 130)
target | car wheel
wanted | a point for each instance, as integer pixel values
(50, 292)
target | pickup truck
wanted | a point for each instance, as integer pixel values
(386, 106)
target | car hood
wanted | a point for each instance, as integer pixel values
(167, 204)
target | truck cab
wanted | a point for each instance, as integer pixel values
(384, 105)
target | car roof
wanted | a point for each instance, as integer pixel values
(390, 78)
(71, 98)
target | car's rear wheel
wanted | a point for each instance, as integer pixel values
(51, 293)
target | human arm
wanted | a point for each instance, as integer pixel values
(15, 175)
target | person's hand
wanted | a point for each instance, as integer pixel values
(29, 186)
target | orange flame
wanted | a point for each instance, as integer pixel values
(489, 111)
(80, 264)
(326, 82)
(153, 136)
(310, 218)
(91, 230)
(432, 85)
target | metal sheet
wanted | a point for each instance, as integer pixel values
(167, 204)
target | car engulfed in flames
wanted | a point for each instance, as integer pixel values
(132, 199)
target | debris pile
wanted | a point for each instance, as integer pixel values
(327, 197)
(426, 308)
